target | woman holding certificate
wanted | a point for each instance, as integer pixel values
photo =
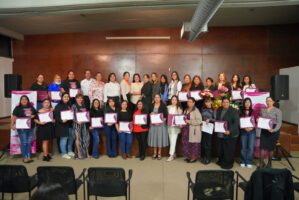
(192, 132)
(236, 82)
(140, 127)
(46, 129)
(146, 91)
(269, 137)
(196, 86)
(158, 136)
(110, 115)
(54, 90)
(96, 113)
(71, 86)
(39, 85)
(227, 133)
(247, 83)
(175, 85)
(208, 117)
(80, 127)
(247, 124)
(63, 125)
(173, 109)
(24, 111)
(124, 129)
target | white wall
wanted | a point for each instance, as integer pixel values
(290, 108)
(5, 68)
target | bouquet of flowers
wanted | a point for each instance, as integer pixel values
(217, 103)
(207, 93)
(223, 89)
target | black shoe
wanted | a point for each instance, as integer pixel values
(142, 157)
(187, 160)
(269, 165)
(261, 165)
(138, 156)
(218, 163)
(46, 158)
(206, 162)
(193, 161)
(30, 161)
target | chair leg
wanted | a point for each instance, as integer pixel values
(76, 196)
(29, 194)
(237, 186)
(188, 194)
(11, 196)
(2, 195)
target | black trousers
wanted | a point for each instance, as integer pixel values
(86, 102)
(226, 152)
(142, 141)
(206, 145)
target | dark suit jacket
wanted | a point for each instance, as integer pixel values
(232, 118)
(146, 91)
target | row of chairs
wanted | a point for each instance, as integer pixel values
(101, 181)
(219, 184)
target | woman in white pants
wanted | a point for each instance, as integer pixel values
(173, 131)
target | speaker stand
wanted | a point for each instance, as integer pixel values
(284, 153)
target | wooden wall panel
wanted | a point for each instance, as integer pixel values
(258, 51)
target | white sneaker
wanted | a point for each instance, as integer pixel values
(242, 165)
(249, 166)
(66, 156)
(72, 154)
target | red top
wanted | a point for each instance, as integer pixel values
(138, 128)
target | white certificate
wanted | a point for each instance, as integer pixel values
(45, 117)
(125, 127)
(265, 123)
(110, 118)
(156, 118)
(196, 95)
(74, 92)
(55, 95)
(140, 119)
(97, 122)
(67, 115)
(82, 116)
(208, 128)
(23, 123)
(179, 120)
(220, 126)
(236, 94)
(183, 96)
(257, 97)
(247, 122)
(251, 90)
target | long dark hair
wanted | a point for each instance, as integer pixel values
(128, 109)
(243, 109)
(62, 95)
(136, 107)
(177, 75)
(136, 74)
(206, 99)
(178, 105)
(163, 85)
(67, 76)
(92, 105)
(249, 77)
(238, 84)
(50, 192)
(200, 81)
(28, 101)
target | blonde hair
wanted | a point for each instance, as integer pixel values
(55, 76)
(219, 78)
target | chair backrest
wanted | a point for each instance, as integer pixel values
(106, 182)
(270, 184)
(65, 176)
(14, 178)
(214, 184)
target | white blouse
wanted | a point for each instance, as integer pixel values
(249, 86)
(111, 90)
(171, 111)
(136, 87)
(125, 89)
(85, 85)
(172, 89)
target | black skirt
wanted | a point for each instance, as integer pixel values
(45, 132)
(269, 140)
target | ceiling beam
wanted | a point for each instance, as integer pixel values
(11, 34)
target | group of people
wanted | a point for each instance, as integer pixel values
(147, 96)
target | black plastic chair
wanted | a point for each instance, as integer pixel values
(15, 179)
(273, 178)
(212, 184)
(108, 182)
(296, 184)
(64, 176)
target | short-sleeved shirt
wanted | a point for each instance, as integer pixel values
(25, 111)
(37, 87)
(67, 84)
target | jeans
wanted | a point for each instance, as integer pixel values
(96, 140)
(62, 144)
(126, 140)
(111, 140)
(25, 136)
(70, 140)
(247, 146)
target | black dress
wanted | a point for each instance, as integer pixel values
(46, 132)
(61, 129)
(146, 91)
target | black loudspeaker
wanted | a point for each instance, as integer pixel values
(12, 82)
(280, 87)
